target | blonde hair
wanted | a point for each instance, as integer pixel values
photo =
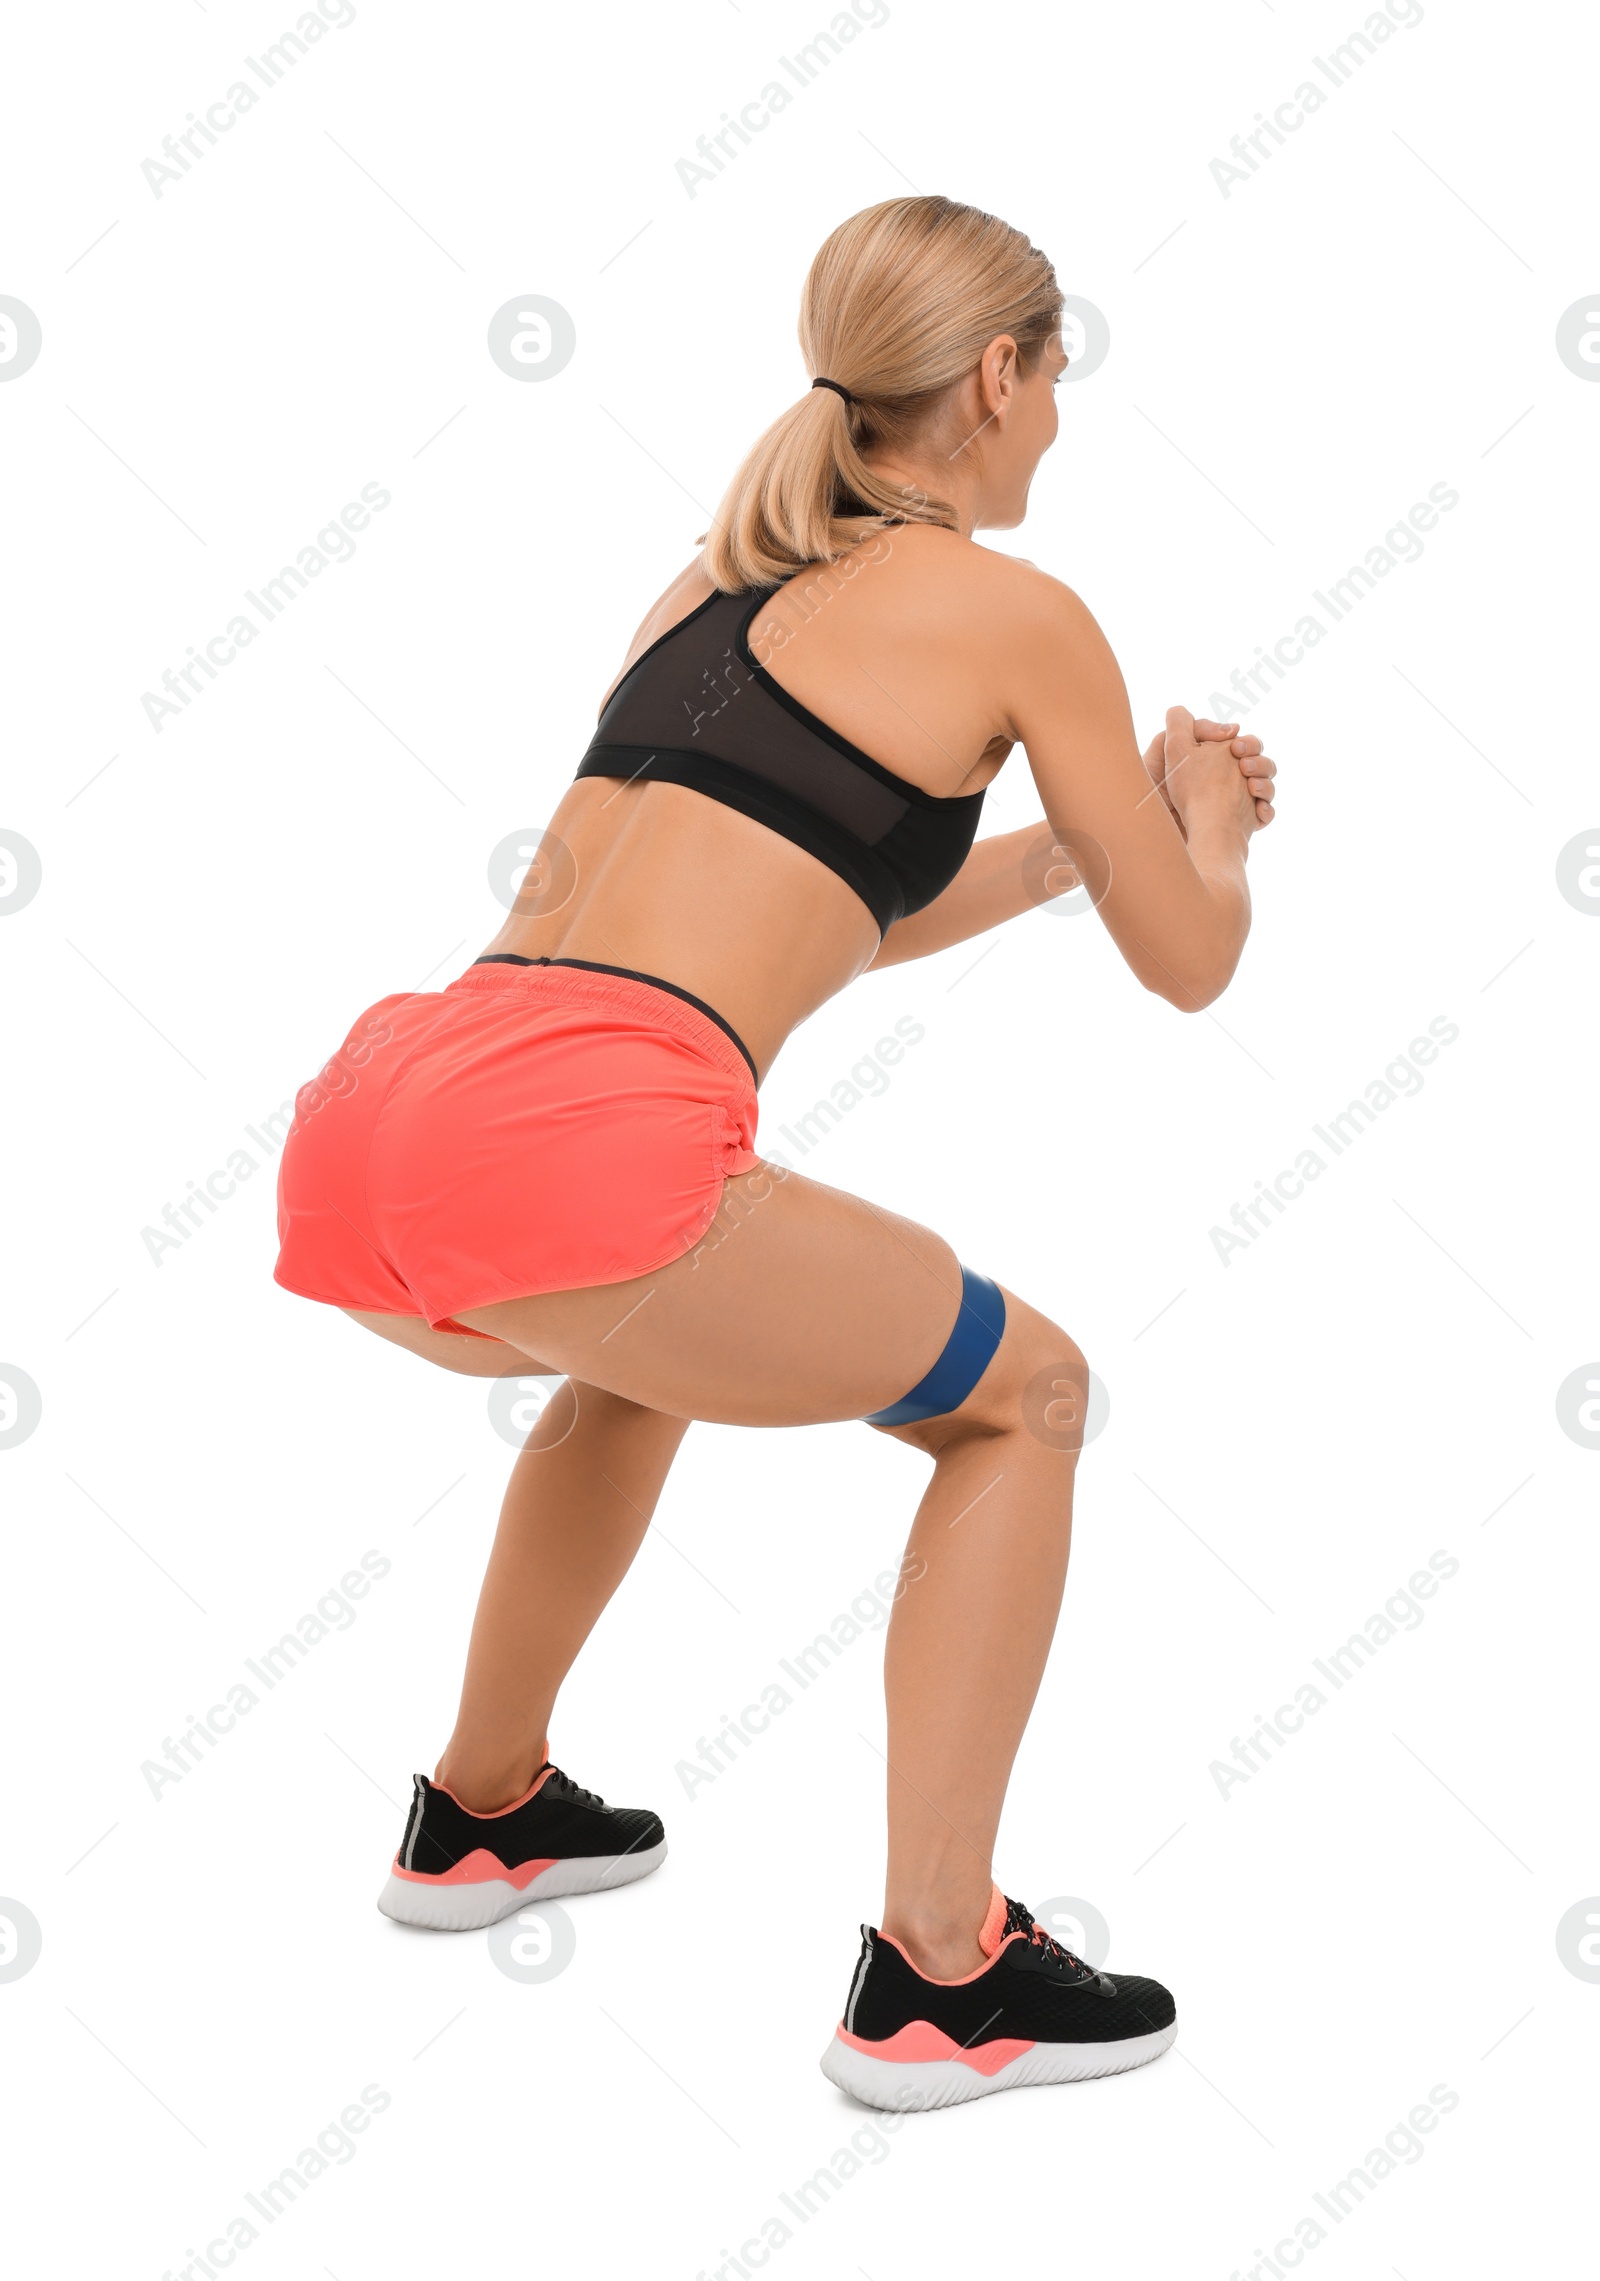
(898, 306)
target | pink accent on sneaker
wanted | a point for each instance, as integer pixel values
(991, 1932)
(478, 1868)
(965, 1976)
(990, 1940)
(537, 1784)
(921, 2040)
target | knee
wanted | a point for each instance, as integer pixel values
(1037, 1382)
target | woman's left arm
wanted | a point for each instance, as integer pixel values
(999, 882)
(989, 887)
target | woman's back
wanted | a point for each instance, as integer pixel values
(778, 777)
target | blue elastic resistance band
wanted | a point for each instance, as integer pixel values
(966, 1356)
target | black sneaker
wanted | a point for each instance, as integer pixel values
(456, 1870)
(1034, 2014)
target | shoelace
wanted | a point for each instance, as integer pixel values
(1020, 1919)
(576, 1791)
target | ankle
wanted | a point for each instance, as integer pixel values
(941, 1946)
(483, 1786)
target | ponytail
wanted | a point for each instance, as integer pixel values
(898, 307)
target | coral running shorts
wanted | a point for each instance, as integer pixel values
(537, 1126)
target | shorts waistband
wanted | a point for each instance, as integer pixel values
(617, 987)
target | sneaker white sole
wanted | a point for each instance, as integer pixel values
(912, 2085)
(468, 1908)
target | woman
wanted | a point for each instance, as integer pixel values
(550, 1167)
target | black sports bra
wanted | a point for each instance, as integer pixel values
(696, 709)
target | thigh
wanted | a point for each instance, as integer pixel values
(800, 1304)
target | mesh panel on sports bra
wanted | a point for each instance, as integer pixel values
(699, 695)
(697, 710)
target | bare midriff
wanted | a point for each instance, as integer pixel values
(661, 880)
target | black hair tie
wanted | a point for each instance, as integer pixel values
(834, 385)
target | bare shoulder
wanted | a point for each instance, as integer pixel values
(688, 590)
(1048, 647)
(1008, 603)
(1039, 607)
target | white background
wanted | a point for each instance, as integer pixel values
(1291, 1434)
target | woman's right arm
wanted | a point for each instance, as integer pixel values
(1179, 913)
